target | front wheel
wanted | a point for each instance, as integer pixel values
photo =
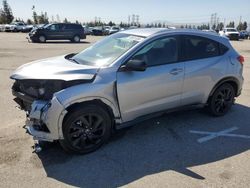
(42, 39)
(222, 100)
(85, 129)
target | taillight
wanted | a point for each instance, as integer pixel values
(241, 59)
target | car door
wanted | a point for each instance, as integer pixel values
(67, 31)
(203, 66)
(157, 88)
(54, 32)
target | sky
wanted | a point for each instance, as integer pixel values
(174, 11)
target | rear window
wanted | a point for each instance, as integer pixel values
(200, 47)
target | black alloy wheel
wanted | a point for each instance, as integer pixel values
(86, 129)
(222, 100)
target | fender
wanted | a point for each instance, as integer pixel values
(115, 110)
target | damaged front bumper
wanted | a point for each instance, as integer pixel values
(43, 120)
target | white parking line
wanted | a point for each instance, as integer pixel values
(213, 135)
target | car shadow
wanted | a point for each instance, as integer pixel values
(154, 146)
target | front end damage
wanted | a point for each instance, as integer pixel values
(42, 111)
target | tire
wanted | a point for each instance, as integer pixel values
(85, 129)
(76, 39)
(222, 100)
(42, 39)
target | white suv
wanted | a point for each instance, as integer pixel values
(230, 33)
(15, 26)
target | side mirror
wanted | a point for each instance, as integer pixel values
(134, 65)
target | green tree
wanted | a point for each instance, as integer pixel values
(231, 24)
(1, 16)
(65, 20)
(220, 26)
(159, 25)
(35, 17)
(111, 23)
(6, 15)
(29, 22)
(245, 26)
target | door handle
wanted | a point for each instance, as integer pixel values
(176, 71)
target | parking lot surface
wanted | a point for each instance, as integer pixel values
(181, 149)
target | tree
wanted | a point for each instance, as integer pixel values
(220, 26)
(245, 26)
(111, 23)
(35, 17)
(65, 20)
(242, 26)
(6, 15)
(231, 24)
(29, 22)
(159, 25)
(1, 16)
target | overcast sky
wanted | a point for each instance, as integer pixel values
(178, 11)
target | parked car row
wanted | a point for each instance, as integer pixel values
(17, 27)
(102, 30)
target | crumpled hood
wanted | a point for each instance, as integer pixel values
(56, 68)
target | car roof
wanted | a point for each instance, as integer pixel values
(146, 32)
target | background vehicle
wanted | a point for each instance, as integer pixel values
(113, 29)
(98, 31)
(79, 99)
(87, 30)
(58, 31)
(27, 28)
(244, 34)
(230, 33)
(14, 27)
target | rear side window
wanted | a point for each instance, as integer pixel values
(200, 47)
(223, 49)
(71, 26)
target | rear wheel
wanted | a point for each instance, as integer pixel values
(85, 129)
(76, 39)
(222, 100)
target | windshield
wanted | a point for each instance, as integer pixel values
(107, 50)
(231, 30)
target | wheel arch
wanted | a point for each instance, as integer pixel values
(106, 104)
(230, 80)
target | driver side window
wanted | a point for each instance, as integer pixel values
(54, 27)
(159, 52)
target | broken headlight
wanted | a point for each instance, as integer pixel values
(43, 89)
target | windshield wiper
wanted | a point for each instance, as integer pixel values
(74, 60)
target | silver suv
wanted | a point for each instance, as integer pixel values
(79, 99)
